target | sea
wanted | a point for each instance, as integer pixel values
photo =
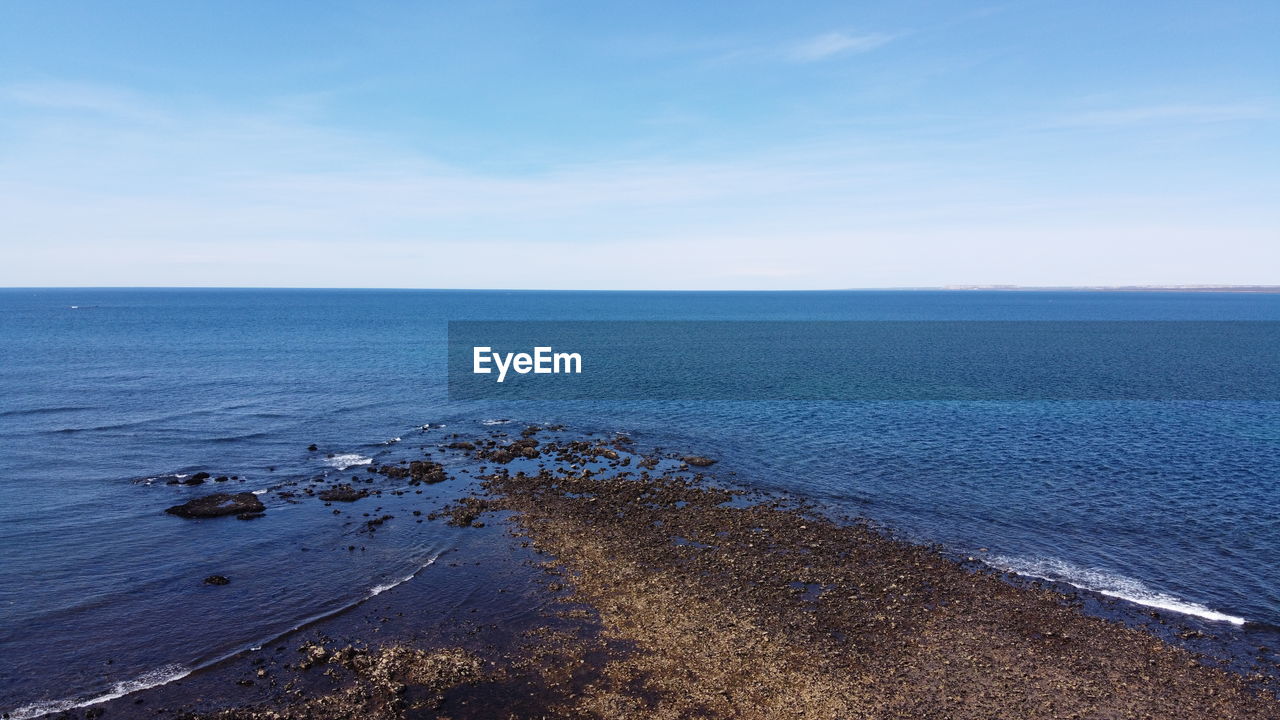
(109, 396)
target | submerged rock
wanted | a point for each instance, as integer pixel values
(394, 471)
(425, 471)
(342, 493)
(698, 460)
(217, 580)
(217, 505)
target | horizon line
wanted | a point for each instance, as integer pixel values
(1223, 288)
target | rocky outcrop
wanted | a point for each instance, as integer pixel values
(217, 505)
(342, 493)
(425, 471)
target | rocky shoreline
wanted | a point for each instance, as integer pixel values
(664, 595)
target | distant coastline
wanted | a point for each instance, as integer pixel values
(1119, 288)
(1254, 289)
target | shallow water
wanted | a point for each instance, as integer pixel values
(1169, 504)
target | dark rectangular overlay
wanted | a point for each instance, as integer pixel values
(875, 360)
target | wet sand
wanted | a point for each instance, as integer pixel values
(664, 596)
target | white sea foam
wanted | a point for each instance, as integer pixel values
(346, 460)
(494, 422)
(260, 492)
(392, 441)
(1109, 584)
(169, 673)
(379, 589)
(149, 679)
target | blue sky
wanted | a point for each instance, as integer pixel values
(733, 145)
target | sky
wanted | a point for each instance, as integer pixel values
(645, 145)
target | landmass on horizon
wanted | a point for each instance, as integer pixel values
(1121, 288)
(921, 288)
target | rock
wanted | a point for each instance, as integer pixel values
(217, 505)
(698, 460)
(313, 654)
(463, 513)
(196, 479)
(312, 447)
(462, 445)
(217, 580)
(250, 515)
(425, 471)
(394, 471)
(342, 493)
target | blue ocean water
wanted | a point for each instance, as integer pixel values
(106, 395)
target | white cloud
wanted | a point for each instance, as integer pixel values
(72, 97)
(170, 196)
(1153, 114)
(829, 45)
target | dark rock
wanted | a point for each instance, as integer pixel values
(698, 460)
(425, 471)
(312, 447)
(463, 513)
(462, 445)
(342, 493)
(221, 478)
(217, 580)
(250, 515)
(375, 523)
(217, 505)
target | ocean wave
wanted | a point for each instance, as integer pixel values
(149, 679)
(45, 410)
(169, 673)
(237, 438)
(379, 589)
(167, 477)
(392, 441)
(495, 422)
(1109, 584)
(346, 460)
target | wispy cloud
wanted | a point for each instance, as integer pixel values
(78, 98)
(833, 44)
(812, 49)
(197, 195)
(1153, 114)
